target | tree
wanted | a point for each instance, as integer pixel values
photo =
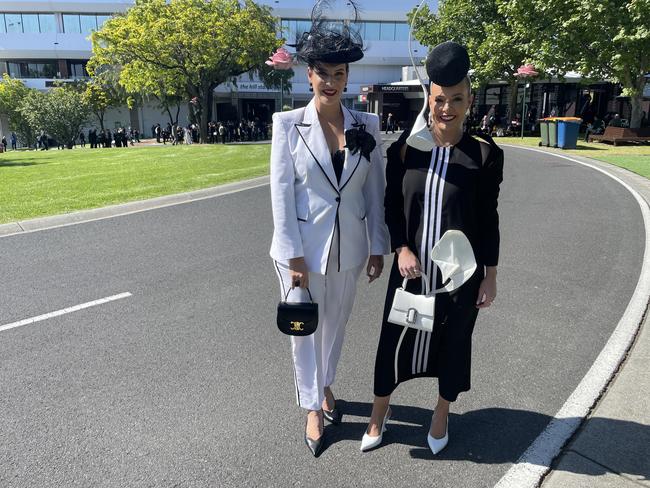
(605, 39)
(12, 94)
(103, 91)
(193, 44)
(61, 112)
(496, 49)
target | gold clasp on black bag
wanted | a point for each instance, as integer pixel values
(297, 326)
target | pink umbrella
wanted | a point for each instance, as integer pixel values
(281, 59)
(526, 70)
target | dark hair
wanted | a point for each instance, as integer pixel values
(317, 65)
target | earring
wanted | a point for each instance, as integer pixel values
(345, 89)
(311, 88)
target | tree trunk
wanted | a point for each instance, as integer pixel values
(208, 110)
(100, 116)
(512, 103)
(636, 100)
(201, 114)
(178, 111)
(169, 114)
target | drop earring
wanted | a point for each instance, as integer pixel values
(311, 88)
(345, 89)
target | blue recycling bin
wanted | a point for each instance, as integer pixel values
(567, 132)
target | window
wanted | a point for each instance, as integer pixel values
(30, 24)
(77, 69)
(302, 26)
(71, 24)
(387, 31)
(47, 22)
(101, 19)
(401, 31)
(289, 30)
(33, 69)
(372, 31)
(27, 23)
(14, 23)
(88, 23)
(14, 70)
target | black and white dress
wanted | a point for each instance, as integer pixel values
(431, 192)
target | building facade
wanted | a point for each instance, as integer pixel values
(45, 41)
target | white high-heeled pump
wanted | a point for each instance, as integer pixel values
(437, 445)
(369, 442)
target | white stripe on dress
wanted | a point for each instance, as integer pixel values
(441, 191)
(428, 239)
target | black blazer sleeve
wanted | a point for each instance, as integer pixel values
(491, 178)
(394, 198)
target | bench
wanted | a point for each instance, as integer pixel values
(622, 134)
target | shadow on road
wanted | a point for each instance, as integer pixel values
(494, 435)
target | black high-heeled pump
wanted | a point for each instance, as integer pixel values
(315, 446)
(333, 416)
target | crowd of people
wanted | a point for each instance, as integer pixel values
(218, 132)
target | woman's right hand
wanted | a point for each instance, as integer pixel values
(408, 263)
(298, 273)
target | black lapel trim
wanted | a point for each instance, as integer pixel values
(353, 171)
(315, 159)
(356, 122)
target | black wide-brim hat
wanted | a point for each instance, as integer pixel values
(328, 46)
(330, 41)
(447, 64)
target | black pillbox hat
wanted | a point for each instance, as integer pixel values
(447, 64)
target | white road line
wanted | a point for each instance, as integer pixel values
(536, 461)
(64, 311)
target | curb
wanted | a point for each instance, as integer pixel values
(535, 463)
(83, 216)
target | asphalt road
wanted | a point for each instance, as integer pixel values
(187, 383)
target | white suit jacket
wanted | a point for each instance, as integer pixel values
(308, 202)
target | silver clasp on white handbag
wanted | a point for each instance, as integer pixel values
(411, 315)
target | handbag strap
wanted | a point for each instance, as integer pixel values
(426, 283)
(289, 291)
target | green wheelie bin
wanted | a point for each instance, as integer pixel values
(552, 132)
(543, 131)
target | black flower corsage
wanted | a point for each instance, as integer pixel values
(357, 139)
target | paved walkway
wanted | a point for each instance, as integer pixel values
(612, 448)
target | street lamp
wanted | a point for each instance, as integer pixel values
(524, 72)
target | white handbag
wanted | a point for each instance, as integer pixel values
(411, 310)
(453, 255)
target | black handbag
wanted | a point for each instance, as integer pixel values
(297, 319)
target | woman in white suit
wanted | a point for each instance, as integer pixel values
(327, 190)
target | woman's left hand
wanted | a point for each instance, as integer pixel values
(375, 267)
(487, 292)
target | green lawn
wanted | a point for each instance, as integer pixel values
(635, 157)
(40, 183)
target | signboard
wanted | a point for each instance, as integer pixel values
(646, 90)
(251, 86)
(395, 88)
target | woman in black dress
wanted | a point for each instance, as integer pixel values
(453, 186)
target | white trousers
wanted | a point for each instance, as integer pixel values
(316, 356)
